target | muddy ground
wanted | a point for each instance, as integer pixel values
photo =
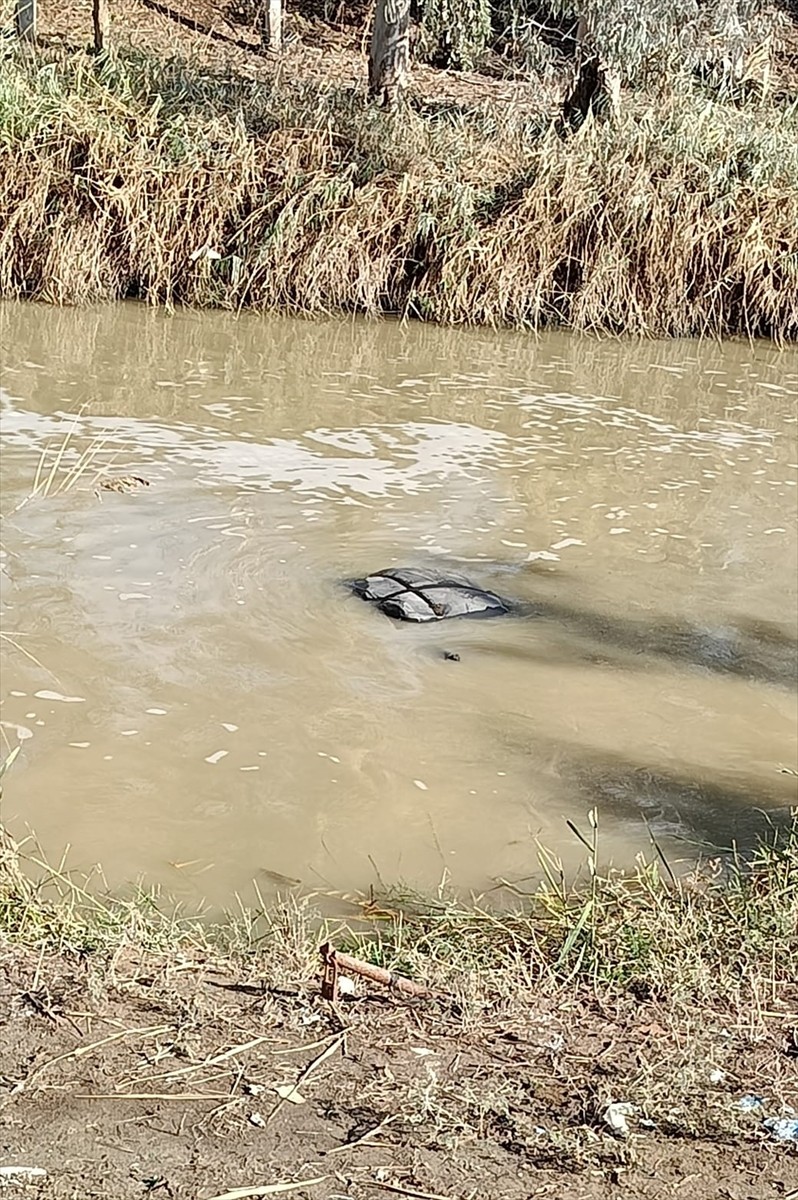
(144, 1077)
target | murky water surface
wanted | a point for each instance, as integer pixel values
(202, 702)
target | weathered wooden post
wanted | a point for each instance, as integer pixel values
(273, 25)
(25, 19)
(389, 56)
(596, 87)
(102, 25)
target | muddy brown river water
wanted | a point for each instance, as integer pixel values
(201, 702)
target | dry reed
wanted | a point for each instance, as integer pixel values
(132, 176)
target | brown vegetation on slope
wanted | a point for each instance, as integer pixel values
(236, 180)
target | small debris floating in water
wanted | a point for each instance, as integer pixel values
(121, 483)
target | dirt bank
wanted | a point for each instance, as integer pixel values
(145, 1053)
(160, 1077)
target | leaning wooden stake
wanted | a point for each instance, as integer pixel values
(102, 25)
(25, 19)
(334, 961)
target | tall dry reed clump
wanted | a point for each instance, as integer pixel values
(131, 176)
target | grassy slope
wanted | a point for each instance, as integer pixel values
(716, 937)
(680, 219)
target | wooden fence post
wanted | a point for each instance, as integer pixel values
(25, 19)
(102, 25)
(274, 25)
(389, 56)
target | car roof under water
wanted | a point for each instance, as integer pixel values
(419, 594)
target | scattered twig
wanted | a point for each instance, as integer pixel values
(403, 1191)
(11, 640)
(303, 1049)
(367, 1136)
(269, 1189)
(80, 1051)
(39, 1005)
(215, 1059)
(153, 1096)
(303, 1074)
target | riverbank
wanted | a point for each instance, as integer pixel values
(149, 1053)
(259, 186)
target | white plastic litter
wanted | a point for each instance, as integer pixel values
(616, 1116)
(784, 1129)
(9, 1176)
(750, 1103)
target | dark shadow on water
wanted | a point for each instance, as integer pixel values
(755, 650)
(749, 648)
(712, 814)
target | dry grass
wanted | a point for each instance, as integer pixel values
(725, 934)
(138, 177)
(719, 936)
(63, 464)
